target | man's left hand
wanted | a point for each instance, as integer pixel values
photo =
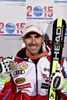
(57, 80)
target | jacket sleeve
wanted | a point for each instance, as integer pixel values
(9, 91)
(63, 93)
(62, 96)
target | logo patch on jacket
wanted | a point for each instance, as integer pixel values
(20, 80)
(24, 65)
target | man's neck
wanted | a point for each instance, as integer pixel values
(34, 57)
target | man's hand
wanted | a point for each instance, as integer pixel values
(4, 65)
(5, 69)
(57, 80)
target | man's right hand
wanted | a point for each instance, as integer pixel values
(5, 70)
(4, 65)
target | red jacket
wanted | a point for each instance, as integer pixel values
(9, 91)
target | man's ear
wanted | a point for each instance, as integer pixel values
(43, 38)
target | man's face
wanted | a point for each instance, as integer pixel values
(33, 42)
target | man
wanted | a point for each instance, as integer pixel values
(30, 70)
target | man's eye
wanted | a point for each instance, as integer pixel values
(37, 36)
(27, 37)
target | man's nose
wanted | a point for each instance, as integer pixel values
(33, 41)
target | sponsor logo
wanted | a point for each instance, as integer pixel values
(10, 27)
(20, 80)
(24, 66)
(18, 72)
(39, 12)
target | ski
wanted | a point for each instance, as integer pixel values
(58, 34)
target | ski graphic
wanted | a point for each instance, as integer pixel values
(59, 27)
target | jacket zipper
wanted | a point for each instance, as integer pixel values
(36, 79)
